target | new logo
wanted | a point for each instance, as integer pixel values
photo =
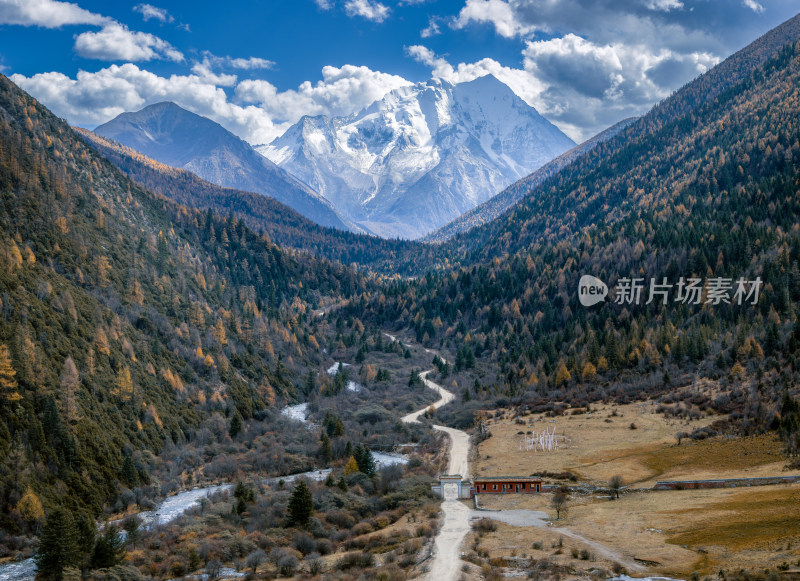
(591, 290)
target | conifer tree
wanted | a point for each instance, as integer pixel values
(236, 424)
(58, 547)
(8, 382)
(109, 550)
(301, 505)
(128, 473)
(364, 459)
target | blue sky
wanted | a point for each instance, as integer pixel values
(257, 67)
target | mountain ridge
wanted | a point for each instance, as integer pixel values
(421, 155)
(176, 137)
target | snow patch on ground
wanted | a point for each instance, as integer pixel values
(334, 369)
(20, 571)
(382, 459)
(176, 505)
(315, 475)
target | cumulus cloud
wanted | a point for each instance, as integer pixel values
(341, 91)
(116, 42)
(374, 11)
(324, 4)
(148, 11)
(499, 13)
(46, 13)
(95, 97)
(596, 61)
(581, 86)
(258, 113)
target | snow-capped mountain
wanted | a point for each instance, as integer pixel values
(422, 155)
(176, 137)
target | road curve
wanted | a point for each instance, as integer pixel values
(446, 562)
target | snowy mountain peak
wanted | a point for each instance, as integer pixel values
(420, 156)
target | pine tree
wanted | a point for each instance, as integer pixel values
(109, 550)
(58, 547)
(325, 448)
(301, 505)
(236, 424)
(128, 473)
(364, 459)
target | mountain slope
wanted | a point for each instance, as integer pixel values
(127, 320)
(495, 206)
(176, 137)
(420, 156)
(708, 194)
(283, 225)
(562, 205)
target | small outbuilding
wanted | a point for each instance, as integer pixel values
(507, 484)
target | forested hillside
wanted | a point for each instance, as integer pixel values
(604, 184)
(704, 191)
(126, 319)
(283, 225)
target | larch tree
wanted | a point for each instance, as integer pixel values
(70, 381)
(8, 382)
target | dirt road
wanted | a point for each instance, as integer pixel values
(446, 562)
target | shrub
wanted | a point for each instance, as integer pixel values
(485, 525)
(355, 560)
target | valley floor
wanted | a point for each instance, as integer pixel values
(674, 532)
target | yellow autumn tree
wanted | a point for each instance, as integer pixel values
(562, 374)
(351, 467)
(219, 332)
(123, 386)
(8, 382)
(30, 507)
(101, 340)
(589, 371)
(70, 381)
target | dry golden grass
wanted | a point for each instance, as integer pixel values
(604, 445)
(677, 532)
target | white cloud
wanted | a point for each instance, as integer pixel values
(368, 9)
(149, 11)
(251, 63)
(204, 71)
(341, 91)
(324, 4)
(46, 13)
(95, 97)
(499, 13)
(580, 86)
(258, 114)
(116, 42)
(432, 29)
(524, 85)
(754, 6)
(664, 5)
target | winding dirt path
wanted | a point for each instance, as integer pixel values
(446, 562)
(446, 559)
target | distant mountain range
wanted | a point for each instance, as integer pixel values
(181, 139)
(506, 199)
(422, 155)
